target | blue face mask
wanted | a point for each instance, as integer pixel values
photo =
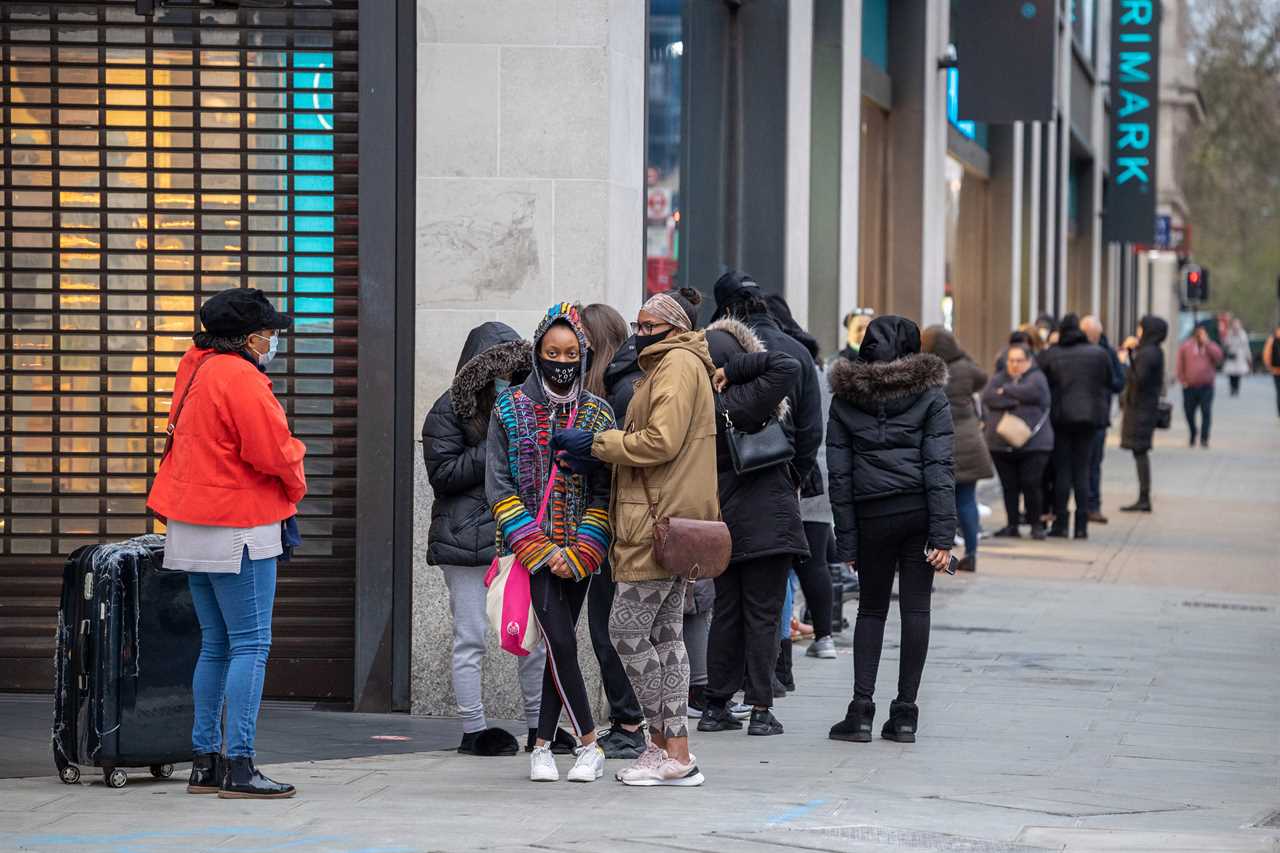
(500, 384)
(273, 344)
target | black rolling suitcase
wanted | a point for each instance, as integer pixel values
(127, 645)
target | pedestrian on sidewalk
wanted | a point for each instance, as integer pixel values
(1239, 356)
(608, 337)
(569, 546)
(889, 454)
(1092, 327)
(1019, 392)
(462, 534)
(1143, 355)
(1271, 358)
(855, 326)
(230, 480)
(762, 510)
(664, 465)
(1079, 375)
(813, 572)
(1197, 369)
(973, 459)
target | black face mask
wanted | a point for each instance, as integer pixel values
(643, 342)
(559, 373)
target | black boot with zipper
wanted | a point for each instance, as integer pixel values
(245, 782)
(207, 771)
(901, 725)
(856, 725)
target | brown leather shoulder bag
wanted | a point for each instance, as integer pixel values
(689, 548)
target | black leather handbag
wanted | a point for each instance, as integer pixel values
(752, 451)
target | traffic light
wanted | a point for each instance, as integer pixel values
(1195, 284)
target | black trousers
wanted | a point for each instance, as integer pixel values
(1142, 461)
(557, 603)
(1198, 398)
(1021, 475)
(1071, 451)
(815, 575)
(889, 545)
(623, 705)
(743, 647)
(1235, 385)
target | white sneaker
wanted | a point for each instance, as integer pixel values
(542, 765)
(670, 773)
(740, 710)
(590, 764)
(645, 765)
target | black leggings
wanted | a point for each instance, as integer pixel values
(557, 603)
(1021, 475)
(887, 545)
(623, 705)
(815, 575)
(1142, 460)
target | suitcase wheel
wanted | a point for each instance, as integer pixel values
(162, 771)
(115, 777)
(70, 775)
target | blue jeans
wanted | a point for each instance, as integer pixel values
(967, 510)
(235, 637)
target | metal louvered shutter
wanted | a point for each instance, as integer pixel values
(147, 164)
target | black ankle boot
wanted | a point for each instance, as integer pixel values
(901, 725)
(245, 782)
(1142, 504)
(207, 770)
(856, 725)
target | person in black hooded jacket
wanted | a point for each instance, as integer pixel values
(762, 510)
(461, 538)
(739, 297)
(1144, 385)
(890, 445)
(1080, 378)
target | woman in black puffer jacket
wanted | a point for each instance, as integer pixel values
(462, 536)
(1144, 384)
(762, 510)
(892, 481)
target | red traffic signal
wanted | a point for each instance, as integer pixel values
(1195, 284)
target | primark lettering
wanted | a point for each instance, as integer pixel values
(1135, 99)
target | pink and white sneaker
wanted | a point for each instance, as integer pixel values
(646, 765)
(670, 772)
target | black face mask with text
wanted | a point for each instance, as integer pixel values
(559, 374)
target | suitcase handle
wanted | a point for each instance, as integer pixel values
(82, 649)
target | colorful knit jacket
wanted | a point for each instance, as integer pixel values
(518, 464)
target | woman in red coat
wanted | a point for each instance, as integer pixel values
(230, 478)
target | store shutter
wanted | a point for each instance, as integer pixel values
(147, 164)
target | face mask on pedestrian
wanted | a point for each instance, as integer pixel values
(560, 374)
(273, 343)
(501, 384)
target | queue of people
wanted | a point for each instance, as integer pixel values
(571, 453)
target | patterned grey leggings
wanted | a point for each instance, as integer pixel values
(646, 627)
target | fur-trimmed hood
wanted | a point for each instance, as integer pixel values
(861, 382)
(509, 358)
(750, 342)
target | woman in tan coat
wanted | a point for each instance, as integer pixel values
(664, 465)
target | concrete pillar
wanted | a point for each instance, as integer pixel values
(800, 47)
(1035, 177)
(918, 140)
(850, 154)
(530, 170)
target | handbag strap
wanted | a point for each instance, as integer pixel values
(182, 402)
(1043, 418)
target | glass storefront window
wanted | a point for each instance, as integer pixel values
(662, 149)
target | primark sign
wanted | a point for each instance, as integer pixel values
(1135, 120)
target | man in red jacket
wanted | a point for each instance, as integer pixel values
(1198, 361)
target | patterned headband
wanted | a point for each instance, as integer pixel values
(665, 307)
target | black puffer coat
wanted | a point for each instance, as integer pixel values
(1079, 375)
(620, 379)
(1144, 383)
(964, 379)
(890, 438)
(454, 444)
(762, 508)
